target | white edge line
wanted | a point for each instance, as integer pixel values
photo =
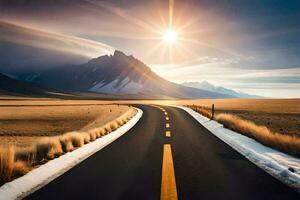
(39, 177)
(266, 163)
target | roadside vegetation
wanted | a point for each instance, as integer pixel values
(283, 142)
(16, 161)
(279, 115)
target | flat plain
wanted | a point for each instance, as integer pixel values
(279, 115)
(21, 125)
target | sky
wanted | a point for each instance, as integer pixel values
(251, 46)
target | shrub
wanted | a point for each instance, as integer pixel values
(86, 137)
(98, 133)
(202, 110)
(120, 122)
(107, 129)
(102, 131)
(286, 143)
(66, 143)
(20, 168)
(7, 158)
(26, 154)
(49, 148)
(93, 135)
(76, 139)
(114, 126)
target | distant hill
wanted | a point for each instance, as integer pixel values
(116, 74)
(10, 86)
(204, 85)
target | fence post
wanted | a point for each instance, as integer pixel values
(212, 111)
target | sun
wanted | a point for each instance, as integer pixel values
(170, 36)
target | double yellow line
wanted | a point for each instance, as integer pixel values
(168, 183)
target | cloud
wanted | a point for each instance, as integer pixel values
(53, 41)
(236, 43)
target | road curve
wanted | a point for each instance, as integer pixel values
(131, 167)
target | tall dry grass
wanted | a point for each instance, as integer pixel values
(285, 143)
(15, 162)
(205, 111)
(9, 167)
(282, 142)
(6, 163)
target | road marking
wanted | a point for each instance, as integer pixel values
(168, 133)
(167, 125)
(168, 189)
(166, 113)
(167, 118)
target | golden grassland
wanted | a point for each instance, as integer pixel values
(256, 105)
(273, 122)
(260, 105)
(287, 143)
(17, 158)
(22, 125)
(279, 115)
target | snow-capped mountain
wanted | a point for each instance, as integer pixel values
(116, 74)
(205, 85)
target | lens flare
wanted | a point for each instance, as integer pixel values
(170, 36)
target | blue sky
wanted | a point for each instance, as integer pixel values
(251, 46)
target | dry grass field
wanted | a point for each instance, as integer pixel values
(30, 135)
(22, 125)
(274, 123)
(279, 115)
(33, 131)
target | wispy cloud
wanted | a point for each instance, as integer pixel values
(53, 41)
(248, 45)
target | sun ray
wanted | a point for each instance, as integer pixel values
(187, 50)
(209, 46)
(122, 14)
(163, 52)
(162, 19)
(171, 10)
(190, 22)
(154, 48)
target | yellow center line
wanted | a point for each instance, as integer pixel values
(168, 133)
(166, 113)
(168, 183)
(167, 125)
(167, 118)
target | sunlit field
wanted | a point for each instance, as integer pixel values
(279, 115)
(34, 131)
(21, 125)
(274, 123)
(33, 135)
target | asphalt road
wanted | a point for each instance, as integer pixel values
(130, 168)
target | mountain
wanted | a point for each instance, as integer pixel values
(10, 86)
(204, 85)
(27, 50)
(116, 74)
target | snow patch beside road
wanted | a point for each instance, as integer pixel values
(276, 163)
(39, 177)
